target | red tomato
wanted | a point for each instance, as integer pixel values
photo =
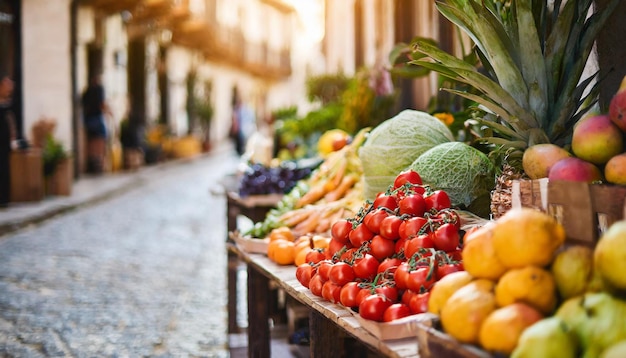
(412, 204)
(407, 176)
(348, 255)
(389, 265)
(407, 295)
(386, 201)
(365, 267)
(401, 276)
(315, 256)
(456, 255)
(341, 273)
(424, 241)
(359, 235)
(411, 227)
(324, 269)
(331, 291)
(340, 230)
(304, 273)
(419, 302)
(348, 294)
(447, 237)
(373, 219)
(335, 246)
(396, 311)
(382, 248)
(450, 216)
(438, 200)
(444, 269)
(365, 292)
(373, 307)
(400, 247)
(390, 227)
(389, 290)
(316, 284)
(421, 277)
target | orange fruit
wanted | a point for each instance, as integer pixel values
(524, 237)
(501, 330)
(284, 252)
(282, 232)
(465, 311)
(479, 255)
(301, 256)
(532, 285)
(320, 242)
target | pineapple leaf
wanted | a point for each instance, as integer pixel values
(532, 60)
(517, 133)
(489, 39)
(469, 75)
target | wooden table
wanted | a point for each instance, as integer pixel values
(254, 208)
(334, 330)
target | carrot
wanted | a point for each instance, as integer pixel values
(313, 195)
(308, 226)
(294, 217)
(347, 182)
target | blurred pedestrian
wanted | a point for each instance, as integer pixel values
(243, 123)
(7, 136)
(94, 110)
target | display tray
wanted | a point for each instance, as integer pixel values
(250, 201)
(249, 244)
(397, 329)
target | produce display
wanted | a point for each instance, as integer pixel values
(381, 227)
(333, 190)
(383, 261)
(259, 179)
(597, 149)
(396, 143)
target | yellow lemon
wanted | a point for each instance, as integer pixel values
(479, 256)
(531, 284)
(502, 328)
(466, 310)
(525, 236)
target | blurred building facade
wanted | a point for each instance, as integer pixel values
(155, 54)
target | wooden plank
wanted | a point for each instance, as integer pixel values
(258, 315)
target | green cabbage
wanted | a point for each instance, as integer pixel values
(462, 171)
(396, 143)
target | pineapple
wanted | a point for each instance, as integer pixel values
(533, 53)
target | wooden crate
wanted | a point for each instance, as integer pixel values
(585, 210)
(27, 182)
(60, 182)
(433, 342)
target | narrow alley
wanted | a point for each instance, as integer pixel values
(141, 274)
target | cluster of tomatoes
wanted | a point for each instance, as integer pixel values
(384, 261)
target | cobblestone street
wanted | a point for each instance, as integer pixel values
(140, 274)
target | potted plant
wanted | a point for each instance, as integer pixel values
(57, 167)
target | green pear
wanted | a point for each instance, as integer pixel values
(618, 350)
(597, 319)
(550, 338)
(610, 256)
(572, 270)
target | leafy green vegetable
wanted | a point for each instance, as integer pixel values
(464, 172)
(396, 143)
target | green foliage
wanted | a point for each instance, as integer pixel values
(366, 104)
(53, 153)
(326, 88)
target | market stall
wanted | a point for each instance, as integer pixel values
(504, 236)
